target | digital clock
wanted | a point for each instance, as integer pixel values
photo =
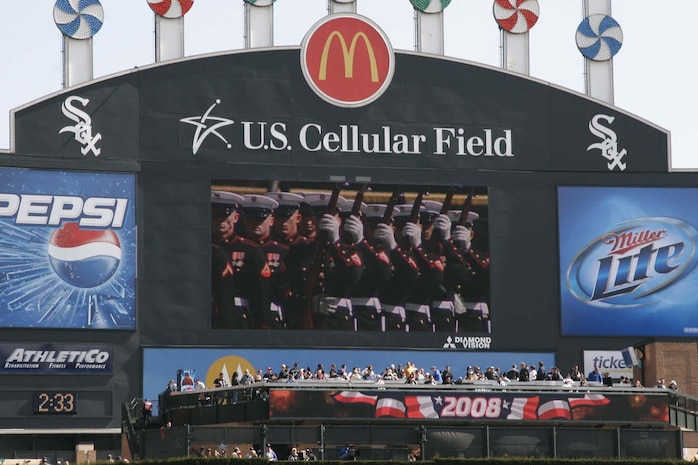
(55, 402)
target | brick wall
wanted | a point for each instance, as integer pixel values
(672, 361)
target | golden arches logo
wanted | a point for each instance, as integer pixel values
(368, 66)
(348, 55)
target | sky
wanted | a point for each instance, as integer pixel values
(653, 71)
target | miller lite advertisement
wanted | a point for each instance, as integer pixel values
(68, 244)
(627, 261)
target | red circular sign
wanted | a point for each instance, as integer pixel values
(347, 60)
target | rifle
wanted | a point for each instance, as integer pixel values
(463, 218)
(445, 207)
(390, 207)
(356, 207)
(482, 262)
(414, 213)
(317, 263)
(448, 200)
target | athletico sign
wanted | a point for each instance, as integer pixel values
(347, 60)
(56, 359)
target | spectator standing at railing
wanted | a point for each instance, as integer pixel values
(595, 375)
(147, 411)
(541, 373)
(532, 373)
(523, 372)
(513, 373)
(673, 385)
(575, 374)
(221, 381)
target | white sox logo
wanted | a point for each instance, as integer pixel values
(609, 142)
(83, 125)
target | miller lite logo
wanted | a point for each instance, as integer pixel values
(347, 60)
(634, 264)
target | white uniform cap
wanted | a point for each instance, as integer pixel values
(432, 206)
(350, 206)
(286, 198)
(225, 198)
(321, 199)
(260, 206)
(455, 216)
(405, 209)
(373, 210)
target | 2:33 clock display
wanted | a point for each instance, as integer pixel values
(55, 402)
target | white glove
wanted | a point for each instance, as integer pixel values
(461, 237)
(442, 224)
(384, 235)
(354, 229)
(413, 233)
(330, 225)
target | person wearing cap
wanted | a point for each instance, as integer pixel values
(286, 239)
(340, 266)
(258, 219)
(438, 245)
(270, 454)
(238, 267)
(404, 269)
(293, 456)
(473, 291)
(365, 297)
(224, 208)
(419, 298)
(309, 455)
(287, 217)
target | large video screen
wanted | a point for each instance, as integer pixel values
(67, 249)
(339, 257)
(628, 261)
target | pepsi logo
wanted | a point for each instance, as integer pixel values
(84, 258)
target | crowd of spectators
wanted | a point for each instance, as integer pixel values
(409, 373)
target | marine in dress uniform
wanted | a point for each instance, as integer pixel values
(285, 239)
(441, 260)
(238, 267)
(473, 290)
(404, 269)
(339, 265)
(377, 270)
(258, 219)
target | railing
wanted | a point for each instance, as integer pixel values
(248, 408)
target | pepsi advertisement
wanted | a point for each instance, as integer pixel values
(68, 244)
(628, 261)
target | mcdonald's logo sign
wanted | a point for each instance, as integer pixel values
(347, 60)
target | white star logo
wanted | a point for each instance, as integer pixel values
(201, 123)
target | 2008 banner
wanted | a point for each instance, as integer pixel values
(479, 405)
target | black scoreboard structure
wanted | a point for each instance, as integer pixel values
(583, 239)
